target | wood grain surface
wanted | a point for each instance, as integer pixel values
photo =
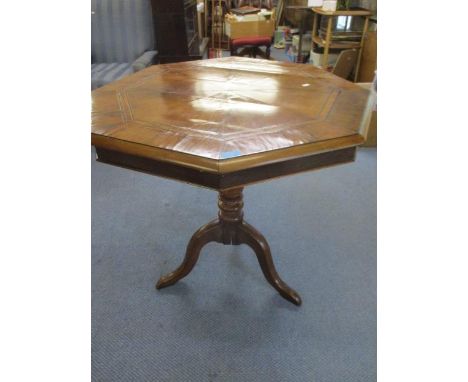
(227, 114)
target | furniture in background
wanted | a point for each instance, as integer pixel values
(247, 36)
(176, 31)
(251, 46)
(202, 17)
(370, 119)
(289, 16)
(302, 14)
(258, 128)
(345, 63)
(121, 39)
(279, 13)
(328, 42)
(219, 8)
(268, 4)
(369, 57)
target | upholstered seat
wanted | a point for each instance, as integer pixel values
(121, 39)
(251, 46)
(254, 41)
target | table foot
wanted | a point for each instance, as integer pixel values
(255, 240)
(207, 233)
(230, 228)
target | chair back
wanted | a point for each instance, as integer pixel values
(345, 63)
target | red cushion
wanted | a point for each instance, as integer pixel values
(257, 41)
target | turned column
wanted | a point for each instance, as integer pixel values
(230, 214)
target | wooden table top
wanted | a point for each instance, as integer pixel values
(229, 114)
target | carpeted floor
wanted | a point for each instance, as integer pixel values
(224, 322)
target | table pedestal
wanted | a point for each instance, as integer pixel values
(230, 228)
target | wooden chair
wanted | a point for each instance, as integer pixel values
(345, 63)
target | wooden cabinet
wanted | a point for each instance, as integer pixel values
(176, 30)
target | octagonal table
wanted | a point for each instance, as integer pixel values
(223, 124)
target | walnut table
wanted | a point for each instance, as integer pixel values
(223, 124)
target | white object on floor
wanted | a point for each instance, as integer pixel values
(317, 59)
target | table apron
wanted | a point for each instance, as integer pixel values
(221, 181)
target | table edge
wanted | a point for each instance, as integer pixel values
(223, 166)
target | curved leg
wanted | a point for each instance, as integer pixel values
(209, 232)
(230, 228)
(254, 239)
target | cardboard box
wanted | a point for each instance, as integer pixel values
(236, 28)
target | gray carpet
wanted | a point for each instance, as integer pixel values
(224, 322)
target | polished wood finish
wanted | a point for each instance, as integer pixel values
(227, 114)
(223, 124)
(231, 228)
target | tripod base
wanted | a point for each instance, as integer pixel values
(230, 228)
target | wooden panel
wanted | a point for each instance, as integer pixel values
(369, 58)
(229, 180)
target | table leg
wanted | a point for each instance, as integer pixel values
(327, 43)
(207, 233)
(230, 228)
